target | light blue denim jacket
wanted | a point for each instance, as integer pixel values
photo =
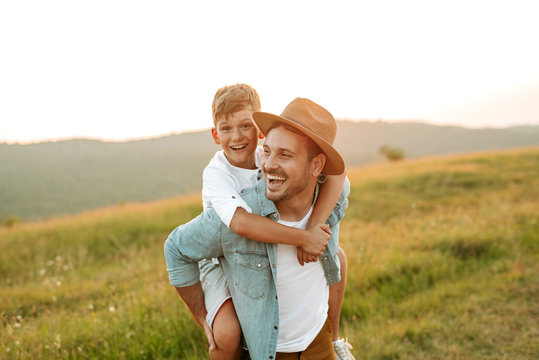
(249, 266)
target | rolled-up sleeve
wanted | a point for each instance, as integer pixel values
(188, 244)
(221, 189)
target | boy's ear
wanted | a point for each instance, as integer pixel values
(260, 135)
(215, 136)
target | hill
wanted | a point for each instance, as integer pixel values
(54, 178)
(443, 257)
(359, 142)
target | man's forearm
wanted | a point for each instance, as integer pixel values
(193, 297)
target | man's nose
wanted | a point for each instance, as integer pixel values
(270, 162)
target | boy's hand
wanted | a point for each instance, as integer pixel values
(317, 239)
(316, 242)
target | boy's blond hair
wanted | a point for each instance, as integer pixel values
(233, 98)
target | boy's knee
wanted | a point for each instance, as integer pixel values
(227, 329)
(342, 256)
(343, 264)
(228, 337)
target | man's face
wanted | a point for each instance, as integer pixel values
(286, 164)
(238, 136)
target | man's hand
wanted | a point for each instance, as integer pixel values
(209, 334)
(305, 257)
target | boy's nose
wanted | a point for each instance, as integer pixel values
(236, 134)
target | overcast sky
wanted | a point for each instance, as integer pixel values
(130, 69)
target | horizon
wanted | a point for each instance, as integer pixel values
(190, 131)
(149, 70)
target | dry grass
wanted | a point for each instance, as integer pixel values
(443, 255)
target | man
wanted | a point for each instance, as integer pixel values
(282, 306)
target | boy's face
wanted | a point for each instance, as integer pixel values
(238, 136)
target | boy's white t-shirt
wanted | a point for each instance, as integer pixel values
(303, 296)
(222, 183)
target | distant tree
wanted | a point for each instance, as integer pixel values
(10, 221)
(392, 154)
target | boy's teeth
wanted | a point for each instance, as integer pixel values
(237, 147)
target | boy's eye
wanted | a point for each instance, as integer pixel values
(225, 128)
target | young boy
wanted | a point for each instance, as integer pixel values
(232, 169)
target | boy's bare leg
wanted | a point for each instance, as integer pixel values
(336, 297)
(227, 333)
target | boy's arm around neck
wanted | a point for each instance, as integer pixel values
(328, 195)
(313, 240)
(262, 229)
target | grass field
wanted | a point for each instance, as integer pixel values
(443, 260)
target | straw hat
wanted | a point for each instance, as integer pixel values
(312, 120)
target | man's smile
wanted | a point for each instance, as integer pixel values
(275, 180)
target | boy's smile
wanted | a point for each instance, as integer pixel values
(238, 136)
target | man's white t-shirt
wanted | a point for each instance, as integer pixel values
(303, 296)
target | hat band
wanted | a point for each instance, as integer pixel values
(301, 125)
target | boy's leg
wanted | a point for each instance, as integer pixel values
(336, 297)
(226, 333)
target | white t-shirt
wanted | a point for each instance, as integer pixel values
(303, 296)
(222, 183)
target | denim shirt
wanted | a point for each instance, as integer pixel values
(249, 266)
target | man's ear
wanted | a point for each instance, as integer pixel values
(317, 164)
(215, 136)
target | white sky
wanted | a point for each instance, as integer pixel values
(123, 69)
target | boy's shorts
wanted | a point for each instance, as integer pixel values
(215, 288)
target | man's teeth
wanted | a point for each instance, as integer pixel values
(238, 147)
(278, 178)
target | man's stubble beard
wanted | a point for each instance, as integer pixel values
(298, 186)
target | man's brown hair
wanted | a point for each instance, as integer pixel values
(233, 98)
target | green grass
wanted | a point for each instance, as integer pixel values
(443, 256)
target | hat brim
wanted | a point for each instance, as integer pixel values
(334, 161)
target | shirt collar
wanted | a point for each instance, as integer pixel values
(267, 207)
